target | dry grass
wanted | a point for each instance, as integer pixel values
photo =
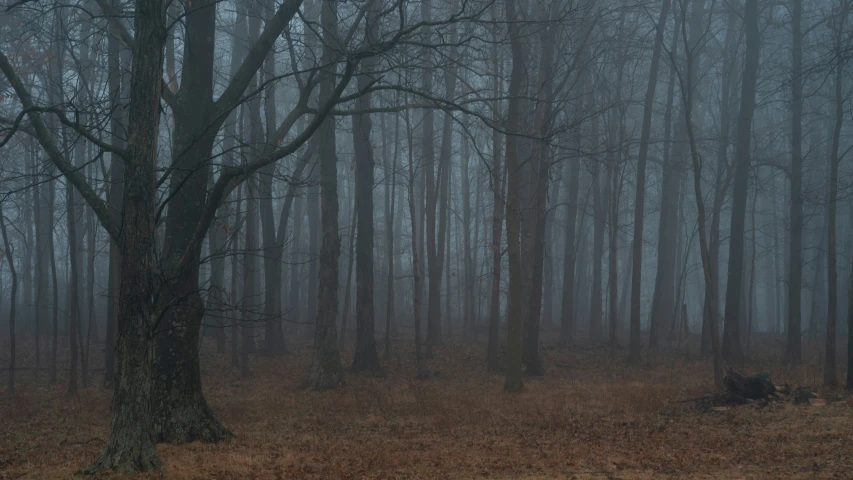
(588, 418)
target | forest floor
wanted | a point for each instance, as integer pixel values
(587, 418)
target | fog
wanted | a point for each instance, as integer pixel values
(247, 179)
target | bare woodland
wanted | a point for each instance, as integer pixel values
(468, 220)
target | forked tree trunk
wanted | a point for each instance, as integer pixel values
(711, 305)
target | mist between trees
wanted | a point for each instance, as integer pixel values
(519, 173)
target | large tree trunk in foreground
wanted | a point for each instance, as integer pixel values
(130, 447)
(180, 412)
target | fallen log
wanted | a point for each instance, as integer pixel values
(752, 387)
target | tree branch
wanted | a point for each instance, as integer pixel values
(105, 216)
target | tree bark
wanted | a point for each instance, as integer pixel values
(326, 371)
(420, 363)
(366, 357)
(793, 349)
(13, 303)
(498, 180)
(731, 349)
(567, 318)
(640, 194)
(830, 377)
(130, 447)
(390, 198)
(513, 381)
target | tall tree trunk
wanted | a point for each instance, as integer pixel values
(724, 171)
(540, 174)
(26, 302)
(313, 211)
(272, 242)
(219, 240)
(54, 94)
(769, 266)
(731, 348)
(72, 291)
(498, 181)
(130, 447)
(662, 299)
(40, 280)
(348, 288)
(567, 318)
(181, 413)
(830, 377)
(513, 380)
(12, 305)
(51, 250)
(119, 88)
(849, 384)
(326, 371)
(366, 358)
(596, 317)
(249, 305)
(91, 324)
(793, 349)
(420, 363)
(447, 303)
(295, 262)
(711, 304)
(751, 287)
(817, 293)
(235, 275)
(437, 197)
(433, 333)
(640, 194)
(468, 330)
(390, 198)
